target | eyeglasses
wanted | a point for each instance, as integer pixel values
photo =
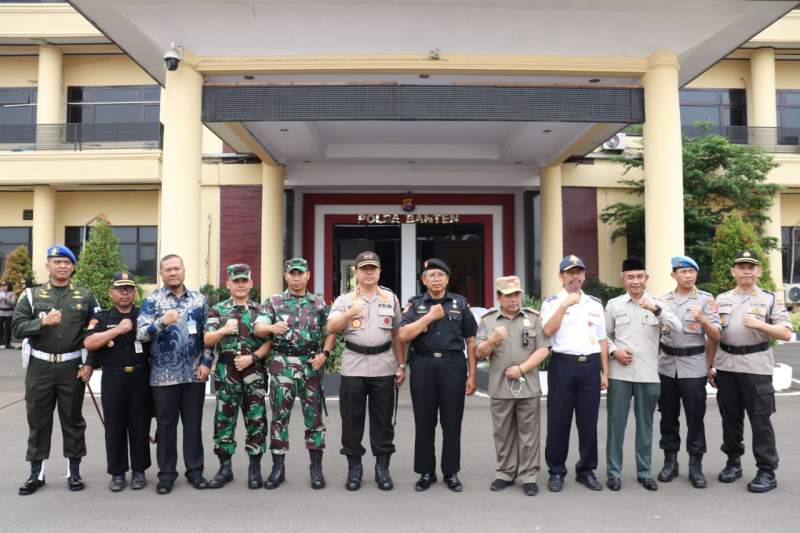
(435, 275)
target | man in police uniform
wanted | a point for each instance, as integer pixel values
(578, 369)
(512, 337)
(683, 369)
(111, 341)
(751, 317)
(634, 322)
(373, 364)
(52, 318)
(437, 324)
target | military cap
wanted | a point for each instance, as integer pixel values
(508, 285)
(632, 263)
(683, 261)
(61, 251)
(296, 263)
(432, 263)
(238, 271)
(123, 279)
(571, 261)
(368, 258)
(748, 256)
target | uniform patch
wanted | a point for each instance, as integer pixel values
(92, 323)
(387, 321)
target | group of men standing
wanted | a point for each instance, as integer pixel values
(656, 351)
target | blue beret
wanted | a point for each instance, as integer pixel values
(571, 261)
(683, 261)
(61, 251)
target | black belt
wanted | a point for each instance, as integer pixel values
(581, 358)
(228, 357)
(127, 369)
(292, 351)
(744, 350)
(438, 354)
(367, 350)
(681, 352)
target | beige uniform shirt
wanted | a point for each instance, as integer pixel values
(525, 336)
(733, 305)
(381, 316)
(638, 331)
(690, 334)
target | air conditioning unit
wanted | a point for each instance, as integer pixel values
(792, 293)
(616, 143)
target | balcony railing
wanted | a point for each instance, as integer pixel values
(770, 139)
(26, 137)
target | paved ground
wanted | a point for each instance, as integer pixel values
(295, 507)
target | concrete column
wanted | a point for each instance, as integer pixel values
(272, 229)
(764, 115)
(43, 231)
(50, 103)
(552, 228)
(179, 216)
(663, 169)
(773, 229)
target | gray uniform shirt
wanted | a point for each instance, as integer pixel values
(690, 334)
(513, 350)
(637, 330)
(733, 305)
(381, 316)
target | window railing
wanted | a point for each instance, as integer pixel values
(770, 139)
(77, 137)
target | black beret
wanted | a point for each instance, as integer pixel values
(435, 263)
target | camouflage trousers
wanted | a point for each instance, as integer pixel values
(292, 377)
(235, 392)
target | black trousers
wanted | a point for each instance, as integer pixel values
(437, 389)
(753, 393)
(171, 401)
(692, 392)
(572, 386)
(126, 406)
(355, 393)
(5, 330)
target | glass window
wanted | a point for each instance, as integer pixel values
(699, 97)
(349, 240)
(10, 238)
(138, 247)
(461, 247)
(113, 105)
(17, 106)
(118, 113)
(726, 109)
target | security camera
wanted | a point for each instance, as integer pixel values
(172, 57)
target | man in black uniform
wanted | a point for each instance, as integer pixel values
(111, 340)
(437, 324)
(52, 317)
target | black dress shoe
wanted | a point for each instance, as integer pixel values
(589, 480)
(34, 481)
(614, 483)
(763, 482)
(164, 487)
(425, 481)
(453, 483)
(731, 472)
(117, 483)
(138, 481)
(555, 483)
(530, 489)
(500, 484)
(198, 482)
(74, 481)
(648, 483)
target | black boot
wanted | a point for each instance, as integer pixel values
(382, 476)
(732, 470)
(34, 481)
(278, 473)
(254, 479)
(223, 475)
(315, 470)
(670, 470)
(696, 477)
(354, 472)
(74, 481)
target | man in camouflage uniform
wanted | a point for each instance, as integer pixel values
(296, 321)
(239, 373)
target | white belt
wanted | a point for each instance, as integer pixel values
(55, 357)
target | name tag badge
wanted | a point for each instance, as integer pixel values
(137, 347)
(526, 323)
(191, 326)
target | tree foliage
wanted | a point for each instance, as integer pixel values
(733, 236)
(18, 269)
(98, 261)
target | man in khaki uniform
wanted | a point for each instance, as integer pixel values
(751, 317)
(512, 337)
(373, 364)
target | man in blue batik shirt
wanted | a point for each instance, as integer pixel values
(172, 321)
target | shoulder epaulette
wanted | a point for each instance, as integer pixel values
(705, 293)
(595, 298)
(490, 311)
(768, 292)
(551, 298)
(531, 310)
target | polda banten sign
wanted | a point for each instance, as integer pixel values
(390, 218)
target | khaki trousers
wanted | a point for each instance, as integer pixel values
(516, 438)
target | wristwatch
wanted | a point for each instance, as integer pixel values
(326, 353)
(657, 311)
(402, 366)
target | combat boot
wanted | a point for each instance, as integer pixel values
(254, 479)
(670, 470)
(223, 475)
(354, 472)
(34, 481)
(382, 477)
(315, 470)
(732, 470)
(696, 477)
(74, 481)
(278, 473)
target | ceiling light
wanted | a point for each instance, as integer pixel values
(594, 80)
(424, 76)
(249, 77)
(284, 130)
(546, 131)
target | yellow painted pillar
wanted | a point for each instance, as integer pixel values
(50, 106)
(764, 115)
(272, 230)
(180, 226)
(43, 231)
(773, 229)
(552, 232)
(663, 169)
